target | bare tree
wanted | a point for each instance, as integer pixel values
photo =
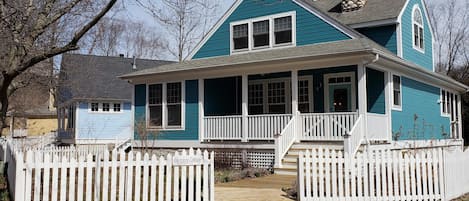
(185, 21)
(25, 26)
(450, 20)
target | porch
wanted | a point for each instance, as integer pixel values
(318, 104)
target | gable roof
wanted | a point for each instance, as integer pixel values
(374, 10)
(95, 77)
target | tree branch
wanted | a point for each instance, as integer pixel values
(72, 45)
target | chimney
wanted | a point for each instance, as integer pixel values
(352, 5)
(134, 64)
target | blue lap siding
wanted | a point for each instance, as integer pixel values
(191, 113)
(309, 28)
(409, 53)
(420, 118)
(103, 126)
(384, 35)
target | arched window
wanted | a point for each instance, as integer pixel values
(417, 28)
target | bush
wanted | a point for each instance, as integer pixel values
(291, 191)
(230, 175)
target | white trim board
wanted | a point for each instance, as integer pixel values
(353, 92)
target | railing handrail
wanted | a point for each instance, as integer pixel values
(329, 113)
(354, 138)
(270, 115)
(281, 144)
(227, 116)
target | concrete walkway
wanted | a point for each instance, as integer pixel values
(267, 188)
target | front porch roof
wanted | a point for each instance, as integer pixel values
(361, 46)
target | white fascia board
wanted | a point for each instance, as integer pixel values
(376, 23)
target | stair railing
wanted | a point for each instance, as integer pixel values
(354, 138)
(284, 140)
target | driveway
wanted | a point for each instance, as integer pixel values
(267, 188)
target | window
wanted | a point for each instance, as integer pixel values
(117, 107)
(283, 30)
(240, 36)
(417, 29)
(256, 99)
(165, 105)
(303, 96)
(106, 107)
(276, 100)
(397, 96)
(263, 32)
(174, 97)
(448, 104)
(94, 107)
(155, 105)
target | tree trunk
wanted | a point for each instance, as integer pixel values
(4, 102)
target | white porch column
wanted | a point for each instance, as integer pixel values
(201, 110)
(294, 92)
(244, 106)
(294, 103)
(459, 116)
(362, 96)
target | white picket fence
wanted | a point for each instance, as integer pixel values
(432, 174)
(36, 175)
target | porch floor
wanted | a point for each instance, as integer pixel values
(267, 188)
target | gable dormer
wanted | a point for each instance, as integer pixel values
(416, 36)
(253, 25)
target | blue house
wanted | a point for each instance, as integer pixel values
(276, 76)
(94, 106)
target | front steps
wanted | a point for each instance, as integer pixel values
(289, 162)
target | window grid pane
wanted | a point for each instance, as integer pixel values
(117, 107)
(94, 107)
(106, 107)
(276, 93)
(283, 24)
(396, 90)
(173, 93)
(155, 94)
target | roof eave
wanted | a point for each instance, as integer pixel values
(413, 67)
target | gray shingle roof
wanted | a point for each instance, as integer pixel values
(373, 10)
(95, 77)
(337, 47)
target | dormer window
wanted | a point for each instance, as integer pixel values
(417, 29)
(240, 37)
(283, 30)
(263, 32)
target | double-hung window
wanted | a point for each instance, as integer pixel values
(240, 37)
(263, 32)
(260, 33)
(417, 29)
(256, 98)
(397, 94)
(165, 103)
(304, 95)
(283, 30)
(94, 107)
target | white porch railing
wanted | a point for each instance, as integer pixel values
(326, 126)
(354, 138)
(285, 140)
(264, 127)
(223, 127)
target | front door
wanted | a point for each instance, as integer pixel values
(339, 93)
(340, 98)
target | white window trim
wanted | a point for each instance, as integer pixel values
(111, 107)
(310, 92)
(448, 100)
(396, 107)
(422, 50)
(326, 89)
(272, 44)
(164, 109)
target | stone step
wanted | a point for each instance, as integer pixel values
(285, 171)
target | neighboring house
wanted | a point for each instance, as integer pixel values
(39, 121)
(94, 106)
(274, 76)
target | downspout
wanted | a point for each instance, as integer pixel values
(366, 133)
